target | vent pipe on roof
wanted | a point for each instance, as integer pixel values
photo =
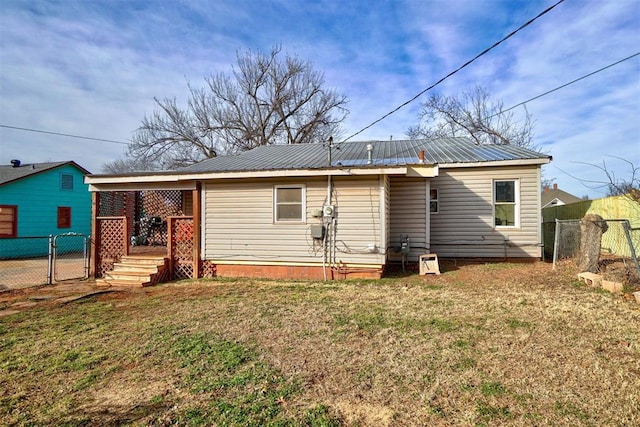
(15, 163)
(369, 154)
(421, 156)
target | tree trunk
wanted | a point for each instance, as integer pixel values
(592, 227)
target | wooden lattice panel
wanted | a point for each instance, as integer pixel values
(207, 270)
(112, 243)
(182, 247)
(119, 203)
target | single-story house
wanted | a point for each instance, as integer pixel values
(553, 196)
(38, 200)
(325, 211)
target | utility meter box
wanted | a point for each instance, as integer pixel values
(329, 211)
(317, 231)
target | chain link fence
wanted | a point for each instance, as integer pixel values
(620, 243)
(41, 260)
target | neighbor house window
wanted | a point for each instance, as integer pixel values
(66, 181)
(289, 203)
(64, 217)
(8, 221)
(505, 203)
(434, 204)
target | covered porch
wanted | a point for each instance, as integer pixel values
(139, 222)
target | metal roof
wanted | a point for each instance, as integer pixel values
(10, 173)
(352, 154)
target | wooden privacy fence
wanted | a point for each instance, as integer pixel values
(621, 207)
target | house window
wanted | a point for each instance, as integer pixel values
(64, 217)
(505, 203)
(8, 221)
(289, 203)
(434, 204)
(66, 181)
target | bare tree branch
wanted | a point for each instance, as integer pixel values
(628, 187)
(270, 98)
(473, 115)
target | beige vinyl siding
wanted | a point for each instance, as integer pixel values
(358, 223)
(408, 213)
(464, 226)
(239, 226)
(385, 212)
(187, 202)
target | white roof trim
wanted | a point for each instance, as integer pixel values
(142, 186)
(176, 181)
(518, 162)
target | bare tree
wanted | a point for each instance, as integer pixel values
(127, 165)
(474, 115)
(629, 187)
(266, 99)
(615, 186)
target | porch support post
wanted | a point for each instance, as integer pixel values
(196, 231)
(95, 235)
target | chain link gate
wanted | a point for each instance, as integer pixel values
(68, 257)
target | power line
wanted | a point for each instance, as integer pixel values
(526, 24)
(64, 134)
(567, 84)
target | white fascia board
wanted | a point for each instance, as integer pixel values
(141, 186)
(285, 173)
(518, 162)
(422, 171)
(174, 181)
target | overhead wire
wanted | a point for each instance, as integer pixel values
(565, 85)
(484, 52)
(64, 134)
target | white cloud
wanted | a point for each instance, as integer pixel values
(90, 68)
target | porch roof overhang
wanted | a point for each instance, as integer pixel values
(177, 180)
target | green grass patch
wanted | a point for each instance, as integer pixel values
(489, 412)
(492, 388)
(515, 323)
(243, 390)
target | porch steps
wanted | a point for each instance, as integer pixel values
(136, 271)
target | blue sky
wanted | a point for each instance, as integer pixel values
(92, 68)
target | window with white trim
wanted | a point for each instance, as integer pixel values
(289, 203)
(506, 201)
(434, 203)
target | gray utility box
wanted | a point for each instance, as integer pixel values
(317, 231)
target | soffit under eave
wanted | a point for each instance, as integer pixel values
(176, 183)
(143, 186)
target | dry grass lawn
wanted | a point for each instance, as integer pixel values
(482, 344)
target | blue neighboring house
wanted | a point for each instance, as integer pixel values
(38, 200)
